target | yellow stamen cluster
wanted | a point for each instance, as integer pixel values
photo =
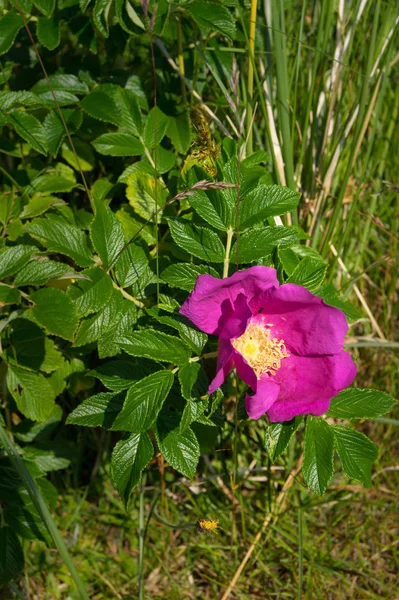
(263, 353)
(206, 525)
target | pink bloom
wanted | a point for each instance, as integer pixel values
(285, 343)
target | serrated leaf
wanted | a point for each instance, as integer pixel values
(10, 24)
(106, 234)
(101, 104)
(9, 295)
(55, 130)
(60, 237)
(51, 183)
(13, 258)
(11, 555)
(56, 312)
(38, 272)
(180, 449)
(37, 205)
(156, 345)
(30, 129)
(155, 128)
(118, 144)
(266, 201)
(98, 411)
(129, 457)
(179, 131)
(192, 337)
(32, 393)
(110, 342)
(29, 431)
(12, 100)
(185, 275)
(94, 327)
(213, 17)
(278, 436)
(129, 110)
(119, 375)
(48, 32)
(198, 241)
(330, 297)
(132, 266)
(355, 403)
(257, 243)
(143, 402)
(310, 273)
(65, 82)
(51, 456)
(100, 15)
(46, 7)
(146, 194)
(94, 292)
(211, 208)
(357, 453)
(318, 465)
(31, 348)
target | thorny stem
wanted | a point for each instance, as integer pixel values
(230, 233)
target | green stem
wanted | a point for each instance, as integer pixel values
(250, 87)
(42, 509)
(230, 233)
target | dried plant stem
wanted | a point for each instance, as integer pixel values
(271, 517)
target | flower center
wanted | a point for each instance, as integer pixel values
(263, 353)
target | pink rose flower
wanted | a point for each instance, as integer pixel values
(285, 343)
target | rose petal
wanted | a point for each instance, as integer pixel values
(204, 305)
(267, 392)
(308, 384)
(307, 325)
(224, 364)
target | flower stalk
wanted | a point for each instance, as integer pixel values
(230, 233)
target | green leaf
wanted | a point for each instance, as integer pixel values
(143, 402)
(278, 436)
(32, 393)
(32, 349)
(56, 312)
(51, 184)
(94, 293)
(155, 128)
(10, 24)
(180, 449)
(48, 32)
(11, 553)
(212, 208)
(257, 243)
(357, 453)
(38, 272)
(118, 144)
(146, 194)
(101, 104)
(129, 110)
(310, 273)
(9, 295)
(60, 237)
(355, 403)
(30, 129)
(106, 234)
(109, 343)
(266, 201)
(192, 337)
(198, 241)
(12, 100)
(65, 82)
(156, 345)
(132, 266)
(97, 411)
(213, 17)
(97, 325)
(55, 130)
(51, 456)
(13, 258)
(100, 15)
(179, 131)
(119, 375)
(129, 457)
(185, 275)
(29, 431)
(46, 7)
(318, 465)
(330, 297)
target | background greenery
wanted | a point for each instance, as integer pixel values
(312, 105)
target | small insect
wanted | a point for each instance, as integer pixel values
(206, 525)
